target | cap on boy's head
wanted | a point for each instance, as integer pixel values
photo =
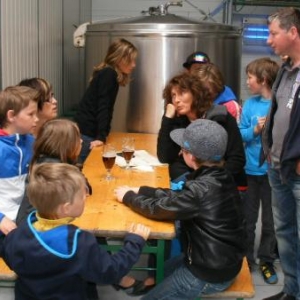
(198, 57)
(205, 139)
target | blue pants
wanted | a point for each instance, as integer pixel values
(286, 210)
(181, 284)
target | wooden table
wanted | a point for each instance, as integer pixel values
(105, 216)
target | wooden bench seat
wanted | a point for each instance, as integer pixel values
(241, 288)
(7, 276)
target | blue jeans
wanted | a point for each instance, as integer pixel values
(286, 211)
(181, 284)
(85, 148)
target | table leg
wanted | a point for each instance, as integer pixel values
(160, 260)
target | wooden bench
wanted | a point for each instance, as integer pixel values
(241, 288)
(7, 276)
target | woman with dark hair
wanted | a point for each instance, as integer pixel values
(187, 98)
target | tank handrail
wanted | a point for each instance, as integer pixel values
(161, 9)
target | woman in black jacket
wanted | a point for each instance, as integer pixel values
(95, 109)
(182, 97)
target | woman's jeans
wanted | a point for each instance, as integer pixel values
(85, 148)
(181, 284)
(286, 211)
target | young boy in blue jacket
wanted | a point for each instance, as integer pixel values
(18, 118)
(53, 258)
(261, 74)
(210, 212)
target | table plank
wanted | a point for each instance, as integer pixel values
(103, 214)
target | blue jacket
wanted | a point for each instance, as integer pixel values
(56, 264)
(253, 108)
(15, 155)
(225, 96)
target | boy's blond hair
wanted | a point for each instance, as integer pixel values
(15, 98)
(264, 69)
(52, 184)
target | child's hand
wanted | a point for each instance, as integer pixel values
(170, 111)
(122, 190)
(260, 124)
(96, 143)
(298, 167)
(140, 229)
(7, 225)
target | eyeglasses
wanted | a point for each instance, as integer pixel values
(51, 98)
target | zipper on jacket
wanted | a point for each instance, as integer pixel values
(189, 249)
(21, 153)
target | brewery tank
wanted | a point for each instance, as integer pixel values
(163, 41)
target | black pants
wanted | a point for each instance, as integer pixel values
(259, 191)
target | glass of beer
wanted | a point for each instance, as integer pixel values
(108, 158)
(127, 150)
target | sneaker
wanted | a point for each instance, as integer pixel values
(268, 273)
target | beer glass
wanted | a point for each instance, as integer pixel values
(108, 158)
(127, 150)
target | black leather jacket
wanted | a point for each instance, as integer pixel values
(212, 224)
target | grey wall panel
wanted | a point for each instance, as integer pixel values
(19, 40)
(50, 58)
(75, 13)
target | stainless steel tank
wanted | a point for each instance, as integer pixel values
(163, 41)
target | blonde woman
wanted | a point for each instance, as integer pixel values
(95, 110)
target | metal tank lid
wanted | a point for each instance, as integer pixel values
(158, 23)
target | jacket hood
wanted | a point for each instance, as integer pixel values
(3, 132)
(226, 96)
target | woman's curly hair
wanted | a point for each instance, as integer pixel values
(202, 98)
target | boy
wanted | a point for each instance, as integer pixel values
(209, 209)
(18, 118)
(261, 74)
(54, 259)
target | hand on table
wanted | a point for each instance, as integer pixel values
(140, 229)
(96, 143)
(122, 190)
(7, 225)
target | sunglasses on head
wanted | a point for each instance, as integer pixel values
(200, 59)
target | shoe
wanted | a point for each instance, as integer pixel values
(132, 289)
(142, 289)
(281, 296)
(268, 273)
